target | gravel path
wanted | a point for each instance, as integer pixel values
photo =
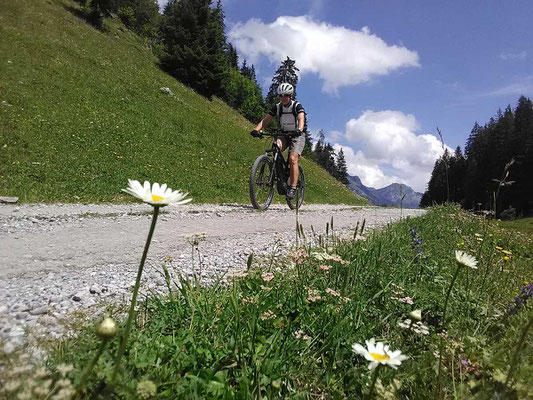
(59, 258)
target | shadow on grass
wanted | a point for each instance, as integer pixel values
(91, 17)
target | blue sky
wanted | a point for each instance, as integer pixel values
(380, 76)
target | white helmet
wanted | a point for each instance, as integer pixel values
(285, 88)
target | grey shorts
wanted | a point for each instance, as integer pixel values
(296, 145)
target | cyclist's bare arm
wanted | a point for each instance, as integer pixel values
(301, 121)
(264, 122)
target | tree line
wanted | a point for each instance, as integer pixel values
(494, 172)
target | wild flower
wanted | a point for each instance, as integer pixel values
(25, 395)
(465, 259)
(267, 276)
(64, 394)
(268, 315)
(406, 300)
(299, 334)
(379, 353)
(11, 386)
(63, 383)
(265, 288)
(333, 292)
(417, 327)
(146, 390)
(251, 300)
(156, 195)
(325, 267)
(41, 373)
(313, 295)
(526, 292)
(326, 257)
(417, 243)
(64, 369)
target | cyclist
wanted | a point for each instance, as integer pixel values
(291, 119)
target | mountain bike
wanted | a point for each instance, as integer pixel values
(272, 168)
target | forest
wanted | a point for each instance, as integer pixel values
(493, 174)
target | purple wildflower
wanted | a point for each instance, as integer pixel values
(526, 293)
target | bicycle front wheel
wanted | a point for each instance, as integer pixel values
(300, 190)
(261, 187)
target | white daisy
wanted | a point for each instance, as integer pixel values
(379, 354)
(465, 259)
(156, 195)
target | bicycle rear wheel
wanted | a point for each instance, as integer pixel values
(300, 190)
(261, 188)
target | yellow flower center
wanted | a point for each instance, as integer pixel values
(379, 357)
(157, 198)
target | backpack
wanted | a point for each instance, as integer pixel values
(280, 113)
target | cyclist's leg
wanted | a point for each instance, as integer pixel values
(293, 166)
(295, 150)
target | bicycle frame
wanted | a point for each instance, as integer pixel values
(281, 166)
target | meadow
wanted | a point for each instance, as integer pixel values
(82, 110)
(286, 328)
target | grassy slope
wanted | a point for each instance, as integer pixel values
(81, 112)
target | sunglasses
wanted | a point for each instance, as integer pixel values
(284, 95)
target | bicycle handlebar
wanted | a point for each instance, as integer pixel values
(279, 133)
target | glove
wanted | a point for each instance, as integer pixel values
(297, 133)
(256, 134)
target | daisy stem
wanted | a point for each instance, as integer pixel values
(131, 312)
(373, 383)
(443, 323)
(517, 351)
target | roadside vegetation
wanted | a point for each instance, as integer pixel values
(82, 110)
(286, 327)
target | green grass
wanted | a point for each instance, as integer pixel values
(524, 225)
(81, 111)
(262, 338)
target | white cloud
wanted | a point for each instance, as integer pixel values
(339, 56)
(514, 56)
(390, 150)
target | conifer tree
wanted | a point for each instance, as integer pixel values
(286, 73)
(341, 168)
(233, 57)
(195, 45)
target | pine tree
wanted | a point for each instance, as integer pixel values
(233, 57)
(436, 192)
(286, 73)
(341, 168)
(521, 192)
(195, 45)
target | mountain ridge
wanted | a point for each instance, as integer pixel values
(390, 195)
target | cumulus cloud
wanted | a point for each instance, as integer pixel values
(339, 56)
(389, 150)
